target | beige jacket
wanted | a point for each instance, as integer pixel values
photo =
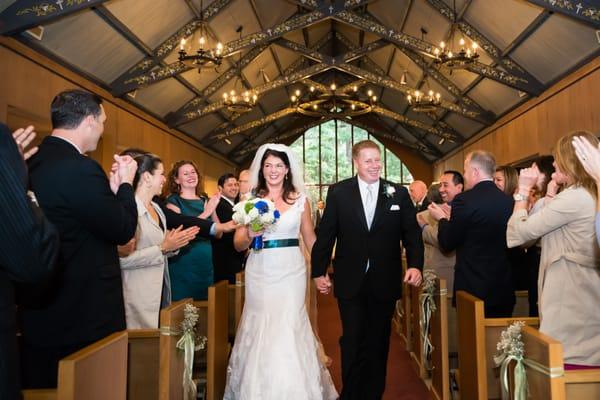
(144, 270)
(435, 259)
(569, 278)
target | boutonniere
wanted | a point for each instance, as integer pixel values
(389, 190)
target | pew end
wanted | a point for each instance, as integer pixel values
(142, 364)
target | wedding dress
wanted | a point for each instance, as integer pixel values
(275, 355)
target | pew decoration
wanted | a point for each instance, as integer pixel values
(427, 304)
(511, 348)
(189, 343)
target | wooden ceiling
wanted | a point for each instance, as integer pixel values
(130, 48)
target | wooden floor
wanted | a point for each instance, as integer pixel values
(402, 382)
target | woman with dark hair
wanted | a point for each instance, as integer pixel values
(276, 354)
(192, 269)
(146, 283)
(544, 190)
(506, 179)
(569, 275)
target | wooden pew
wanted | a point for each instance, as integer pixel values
(96, 372)
(236, 303)
(440, 372)
(217, 346)
(212, 323)
(170, 358)
(142, 364)
(477, 340)
(402, 316)
(417, 350)
(573, 385)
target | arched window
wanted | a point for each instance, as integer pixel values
(326, 151)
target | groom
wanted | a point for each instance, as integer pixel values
(368, 217)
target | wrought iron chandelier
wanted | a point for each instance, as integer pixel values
(333, 101)
(239, 100)
(424, 101)
(205, 56)
(445, 55)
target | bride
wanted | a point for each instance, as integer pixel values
(275, 355)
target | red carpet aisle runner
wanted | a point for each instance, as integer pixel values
(402, 382)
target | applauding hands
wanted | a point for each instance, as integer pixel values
(178, 238)
(122, 171)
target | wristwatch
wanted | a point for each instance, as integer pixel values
(519, 197)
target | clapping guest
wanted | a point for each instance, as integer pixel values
(569, 276)
(191, 271)
(93, 214)
(146, 283)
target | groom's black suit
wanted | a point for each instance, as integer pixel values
(366, 298)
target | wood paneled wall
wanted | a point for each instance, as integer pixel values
(29, 81)
(534, 127)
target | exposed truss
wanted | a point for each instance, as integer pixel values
(25, 14)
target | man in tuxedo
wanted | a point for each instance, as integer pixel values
(28, 248)
(368, 217)
(418, 194)
(476, 229)
(84, 301)
(226, 260)
(319, 214)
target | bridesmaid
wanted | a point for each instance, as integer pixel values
(192, 270)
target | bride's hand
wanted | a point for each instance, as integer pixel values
(252, 234)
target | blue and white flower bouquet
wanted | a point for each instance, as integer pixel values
(257, 214)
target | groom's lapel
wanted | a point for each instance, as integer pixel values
(381, 204)
(357, 204)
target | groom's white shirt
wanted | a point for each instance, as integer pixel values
(362, 187)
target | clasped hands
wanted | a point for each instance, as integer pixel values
(413, 277)
(439, 211)
(122, 171)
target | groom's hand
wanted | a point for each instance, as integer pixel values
(413, 277)
(323, 284)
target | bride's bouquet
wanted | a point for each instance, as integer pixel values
(257, 214)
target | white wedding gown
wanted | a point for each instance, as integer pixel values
(275, 356)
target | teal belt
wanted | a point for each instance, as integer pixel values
(271, 244)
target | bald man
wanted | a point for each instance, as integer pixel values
(244, 184)
(418, 194)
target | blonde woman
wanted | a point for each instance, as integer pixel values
(569, 275)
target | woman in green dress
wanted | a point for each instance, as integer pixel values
(192, 270)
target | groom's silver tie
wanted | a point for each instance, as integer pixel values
(370, 205)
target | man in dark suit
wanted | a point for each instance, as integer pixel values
(29, 246)
(476, 229)
(226, 260)
(84, 301)
(320, 209)
(368, 217)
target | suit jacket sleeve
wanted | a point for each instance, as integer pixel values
(451, 234)
(321, 251)
(29, 242)
(411, 233)
(174, 220)
(111, 217)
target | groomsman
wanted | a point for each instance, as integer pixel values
(319, 214)
(368, 218)
(84, 301)
(226, 260)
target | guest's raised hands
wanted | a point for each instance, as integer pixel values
(528, 177)
(212, 203)
(127, 167)
(178, 238)
(552, 188)
(588, 155)
(438, 212)
(225, 227)
(23, 138)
